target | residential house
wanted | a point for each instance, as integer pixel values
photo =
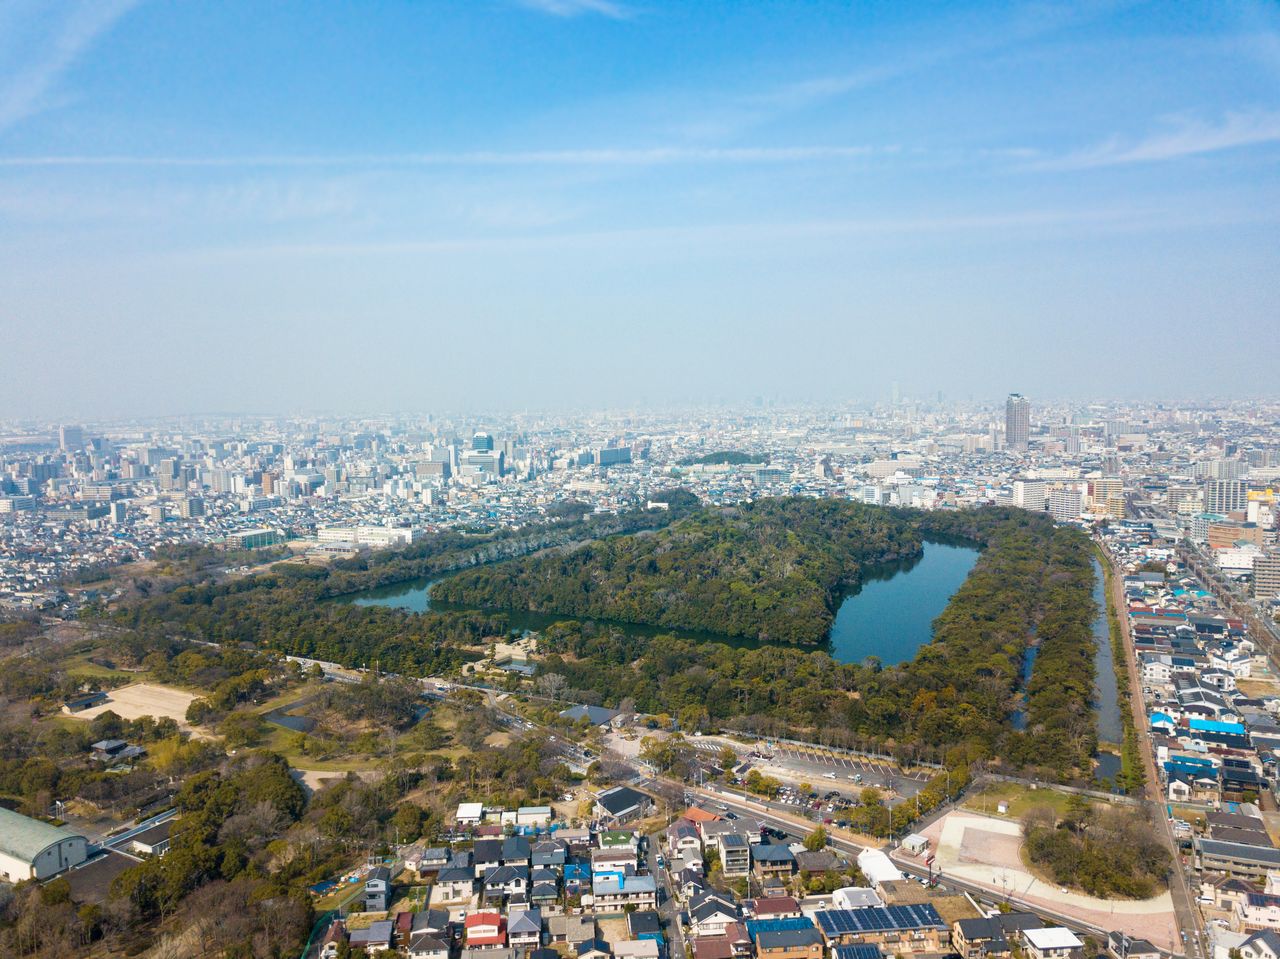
(486, 855)
(782, 907)
(811, 862)
(524, 928)
(1123, 946)
(595, 948)
(455, 883)
(425, 945)
(637, 949)
(1055, 942)
(547, 881)
(773, 860)
(333, 939)
(571, 929)
(683, 835)
(515, 851)
(735, 855)
(505, 882)
(377, 890)
(614, 891)
(621, 859)
(789, 944)
(550, 854)
(991, 935)
(1261, 945)
(645, 924)
(485, 929)
(855, 897)
(712, 948)
(619, 839)
(710, 830)
(434, 921)
(577, 877)
(578, 839)
(710, 914)
(1257, 911)
(427, 862)
(376, 937)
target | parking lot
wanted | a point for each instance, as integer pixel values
(827, 769)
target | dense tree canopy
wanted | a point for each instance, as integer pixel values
(771, 570)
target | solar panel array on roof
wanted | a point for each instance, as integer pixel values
(861, 950)
(755, 926)
(840, 922)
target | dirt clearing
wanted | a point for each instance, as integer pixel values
(144, 699)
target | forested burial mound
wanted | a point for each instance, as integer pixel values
(772, 570)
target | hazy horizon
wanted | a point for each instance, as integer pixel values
(603, 204)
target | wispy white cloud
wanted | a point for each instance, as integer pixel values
(574, 8)
(55, 36)
(1186, 138)
(641, 156)
(1005, 225)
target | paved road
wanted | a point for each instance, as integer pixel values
(668, 911)
(1184, 905)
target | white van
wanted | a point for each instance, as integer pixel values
(828, 775)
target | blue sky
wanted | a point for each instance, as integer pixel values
(539, 203)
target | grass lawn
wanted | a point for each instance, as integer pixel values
(1021, 799)
(81, 667)
(291, 695)
(1191, 814)
(281, 740)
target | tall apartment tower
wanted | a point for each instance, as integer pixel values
(1266, 575)
(1017, 422)
(1225, 496)
(71, 438)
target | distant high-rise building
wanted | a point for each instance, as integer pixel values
(1017, 422)
(1065, 504)
(191, 507)
(1225, 496)
(1266, 576)
(119, 511)
(71, 438)
(1029, 493)
(482, 442)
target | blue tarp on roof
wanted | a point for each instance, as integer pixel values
(1162, 718)
(1216, 726)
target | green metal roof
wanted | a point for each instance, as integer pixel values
(25, 838)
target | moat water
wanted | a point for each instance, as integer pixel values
(889, 616)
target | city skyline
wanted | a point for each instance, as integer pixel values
(578, 204)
